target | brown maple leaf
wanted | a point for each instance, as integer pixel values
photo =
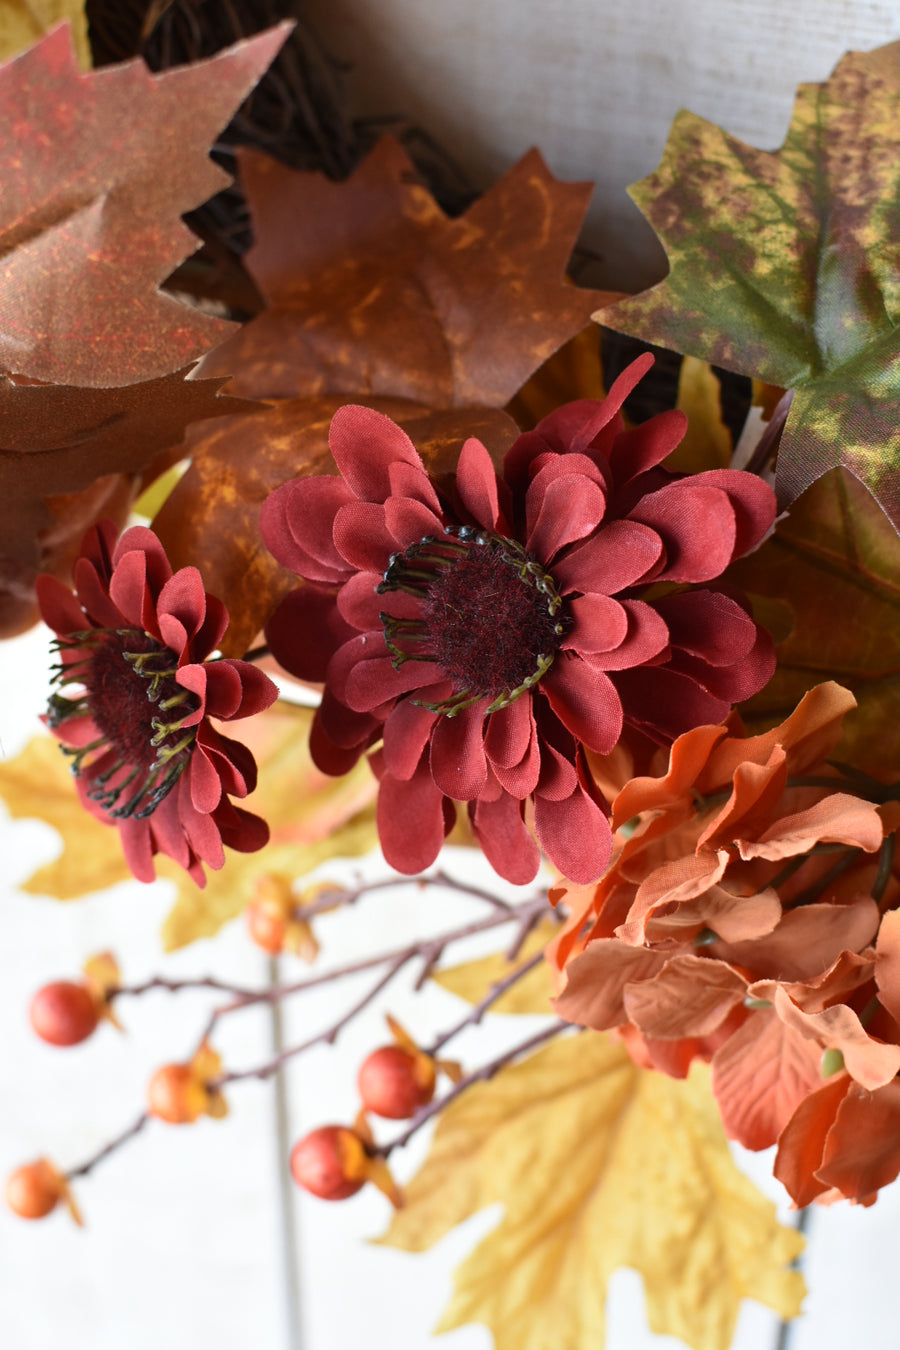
(374, 296)
(373, 290)
(101, 168)
(69, 456)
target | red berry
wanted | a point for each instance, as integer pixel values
(319, 1162)
(34, 1190)
(394, 1082)
(63, 1013)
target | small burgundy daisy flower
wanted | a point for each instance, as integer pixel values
(137, 696)
(491, 629)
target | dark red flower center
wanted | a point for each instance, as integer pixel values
(129, 692)
(490, 615)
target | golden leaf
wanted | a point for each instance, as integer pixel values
(22, 22)
(707, 441)
(599, 1164)
(312, 818)
(531, 994)
(37, 783)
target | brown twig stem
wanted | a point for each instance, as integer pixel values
(482, 1075)
(109, 1148)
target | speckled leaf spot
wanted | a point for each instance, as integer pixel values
(786, 266)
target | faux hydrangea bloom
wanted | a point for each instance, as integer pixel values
(492, 628)
(740, 923)
(133, 641)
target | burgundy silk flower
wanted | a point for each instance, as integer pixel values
(491, 629)
(133, 641)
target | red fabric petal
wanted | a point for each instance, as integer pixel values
(93, 594)
(407, 731)
(664, 704)
(205, 784)
(181, 608)
(59, 608)
(708, 625)
(585, 701)
(129, 593)
(297, 523)
(558, 777)
(158, 569)
(575, 835)
(410, 521)
(362, 536)
(414, 485)
(646, 638)
(565, 510)
(305, 631)
(374, 682)
(504, 840)
(619, 554)
(643, 447)
(365, 444)
(697, 527)
(509, 732)
(410, 817)
(752, 500)
(476, 483)
(458, 763)
(599, 624)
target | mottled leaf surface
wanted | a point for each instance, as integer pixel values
(828, 583)
(786, 266)
(101, 168)
(372, 290)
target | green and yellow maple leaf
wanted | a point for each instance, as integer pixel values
(786, 266)
(599, 1164)
(830, 576)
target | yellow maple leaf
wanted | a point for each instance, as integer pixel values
(707, 441)
(22, 22)
(530, 994)
(599, 1164)
(37, 783)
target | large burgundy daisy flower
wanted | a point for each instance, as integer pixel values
(133, 640)
(490, 629)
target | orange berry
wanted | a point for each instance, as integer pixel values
(266, 926)
(176, 1095)
(34, 1190)
(63, 1013)
(319, 1162)
(394, 1082)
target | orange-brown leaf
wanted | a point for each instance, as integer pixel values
(373, 291)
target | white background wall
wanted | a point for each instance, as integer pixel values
(195, 1238)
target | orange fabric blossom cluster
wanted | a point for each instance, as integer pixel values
(492, 629)
(137, 695)
(748, 919)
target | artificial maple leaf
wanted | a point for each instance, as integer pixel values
(311, 818)
(530, 994)
(69, 456)
(831, 573)
(785, 266)
(213, 511)
(22, 22)
(372, 290)
(599, 1164)
(105, 164)
(38, 783)
(375, 297)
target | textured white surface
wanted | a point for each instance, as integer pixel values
(594, 84)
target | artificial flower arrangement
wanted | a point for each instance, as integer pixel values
(537, 624)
